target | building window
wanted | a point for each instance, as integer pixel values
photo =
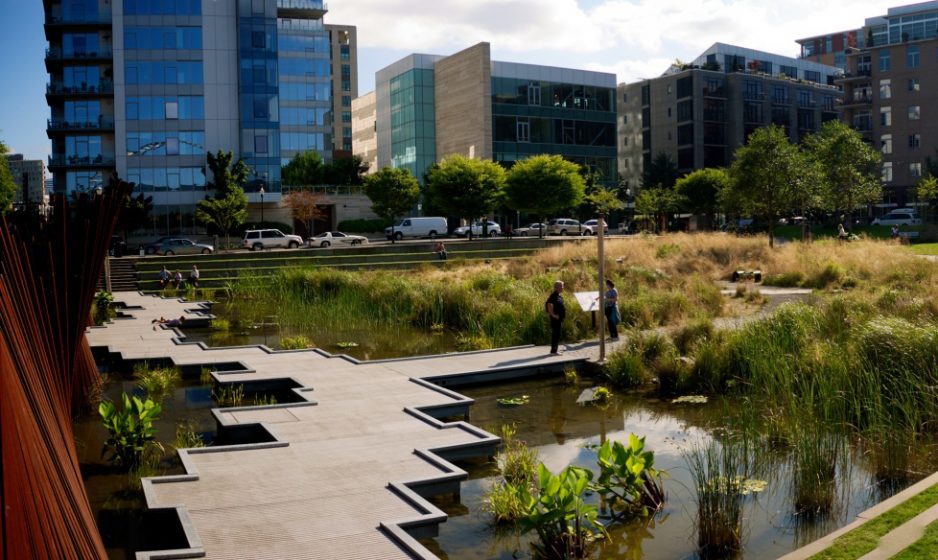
(625, 119)
(669, 88)
(523, 127)
(172, 146)
(534, 93)
(669, 111)
(625, 98)
(685, 110)
(346, 116)
(913, 84)
(885, 89)
(915, 113)
(884, 64)
(915, 140)
(257, 39)
(887, 172)
(812, 76)
(885, 116)
(915, 170)
(886, 143)
(172, 110)
(346, 85)
(625, 141)
(911, 56)
(260, 144)
(346, 100)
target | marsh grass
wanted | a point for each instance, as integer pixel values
(157, 382)
(639, 359)
(517, 464)
(228, 395)
(299, 342)
(718, 471)
(187, 437)
(818, 455)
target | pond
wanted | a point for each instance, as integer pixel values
(250, 325)
(565, 433)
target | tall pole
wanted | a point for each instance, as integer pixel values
(262, 205)
(602, 285)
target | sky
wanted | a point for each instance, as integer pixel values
(634, 39)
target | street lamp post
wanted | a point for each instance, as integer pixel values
(99, 190)
(263, 183)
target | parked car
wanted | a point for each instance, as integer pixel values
(336, 238)
(494, 229)
(899, 217)
(257, 239)
(531, 229)
(151, 248)
(430, 226)
(594, 226)
(568, 226)
(183, 246)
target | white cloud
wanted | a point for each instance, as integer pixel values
(635, 38)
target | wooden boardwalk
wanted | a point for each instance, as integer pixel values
(343, 473)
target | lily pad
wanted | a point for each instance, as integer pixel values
(347, 344)
(514, 401)
(691, 399)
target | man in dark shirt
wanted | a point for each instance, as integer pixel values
(556, 311)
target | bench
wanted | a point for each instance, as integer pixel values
(754, 275)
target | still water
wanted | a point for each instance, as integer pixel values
(565, 433)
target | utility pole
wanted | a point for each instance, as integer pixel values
(602, 285)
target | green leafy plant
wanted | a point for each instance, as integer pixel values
(602, 395)
(565, 524)
(131, 429)
(299, 342)
(628, 478)
(103, 300)
(518, 466)
(220, 325)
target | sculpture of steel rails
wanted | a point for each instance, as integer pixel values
(48, 272)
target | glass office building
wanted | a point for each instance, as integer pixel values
(145, 88)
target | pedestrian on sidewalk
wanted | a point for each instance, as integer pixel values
(556, 311)
(611, 309)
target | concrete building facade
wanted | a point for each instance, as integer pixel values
(891, 95)
(364, 135)
(700, 113)
(343, 49)
(29, 175)
(145, 88)
(431, 106)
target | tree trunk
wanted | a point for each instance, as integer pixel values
(771, 232)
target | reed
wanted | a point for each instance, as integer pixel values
(157, 382)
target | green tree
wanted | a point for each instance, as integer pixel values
(226, 177)
(467, 188)
(544, 184)
(304, 169)
(657, 203)
(7, 186)
(135, 213)
(851, 167)
(660, 173)
(925, 191)
(345, 171)
(393, 192)
(767, 176)
(698, 192)
(224, 213)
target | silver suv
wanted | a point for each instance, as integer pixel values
(256, 239)
(567, 226)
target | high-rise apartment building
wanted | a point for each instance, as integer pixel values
(430, 106)
(891, 94)
(29, 175)
(701, 112)
(343, 49)
(364, 130)
(145, 88)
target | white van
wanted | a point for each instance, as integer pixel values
(418, 227)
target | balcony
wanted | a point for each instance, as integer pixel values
(863, 75)
(60, 125)
(718, 93)
(857, 100)
(58, 22)
(100, 89)
(301, 9)
(754, 95)
(57, 55)
(101, 160)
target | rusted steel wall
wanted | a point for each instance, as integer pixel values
(48, 271)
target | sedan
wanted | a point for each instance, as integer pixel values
(151, 248)
(494, 229)
(531, 229)
(336, 238)
(182, 246)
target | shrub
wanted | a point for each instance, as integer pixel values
(831, 274)
(625, 368)
(130, 430)
(790, 279)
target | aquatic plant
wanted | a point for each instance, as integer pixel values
(570, 375)
(565, 524)
(205, 375)
(516, 461)
(816, 455)
(131, 429)
(628, 478)
(718, 471)
(299, 342)
(513, 401)
(157, 382)
(264, 400)
(504, 502)
(601, 395)
(218, 324)
(228, 395)
(187, 437)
